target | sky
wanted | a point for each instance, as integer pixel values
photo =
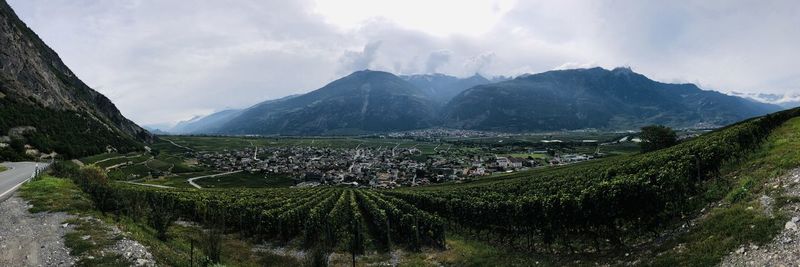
(163, 61)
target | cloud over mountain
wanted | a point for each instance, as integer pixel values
(146, 54)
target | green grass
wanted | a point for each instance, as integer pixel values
(214, 143)
(526, 155)
(178, 180)
(48, 193)
(88, 242)
(466, 252)
(740, 220)
(90, 237)
(144, 166)
(719, 234)
(248, 180)
(98, 157)
(3, 169)
(133, 159)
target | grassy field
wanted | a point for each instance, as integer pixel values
(212, 143)
(178, 180)
(110, 160)
(105, 156)
(526, 155)
(740, 219)
(244, 179)
(2, 168)
(53, 194)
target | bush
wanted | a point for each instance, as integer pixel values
(657, 137)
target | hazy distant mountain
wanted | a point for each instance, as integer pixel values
(210, 123)
(593, 98)
(441, 88)
(783, 100)
(204, 124)
(155, 130)
(38, 90)
(362, 102)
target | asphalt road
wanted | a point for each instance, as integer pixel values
(17, 173)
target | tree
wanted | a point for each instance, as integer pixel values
(655, 137)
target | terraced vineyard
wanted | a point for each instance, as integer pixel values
(346, 219)
(329, 218)
(595, 203)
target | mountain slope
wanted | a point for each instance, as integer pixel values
(205, 123)
(593, 98)
(38, 90)
(441, 88)
(213, 122)
(362, 102)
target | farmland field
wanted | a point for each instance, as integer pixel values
(246, 180)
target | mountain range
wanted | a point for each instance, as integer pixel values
(594, 98)
(44, 105)
(374, 101)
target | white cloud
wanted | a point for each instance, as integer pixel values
(359, 60)
(436, 59)
(438, 17)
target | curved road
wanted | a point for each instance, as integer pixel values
(17, 173)
(191, 180)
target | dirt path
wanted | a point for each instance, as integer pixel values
(784, 250)
(177, 145)
(32, 239)
(191, 180)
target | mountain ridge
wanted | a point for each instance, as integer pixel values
(593, 98)
(596, 98)
(364, 101)
(40, 91)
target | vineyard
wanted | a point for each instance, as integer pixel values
(597, 203)
(340, 219)
(601, 203)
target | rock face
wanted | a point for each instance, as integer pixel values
(593, 98)
(33, 79)
(362, 102)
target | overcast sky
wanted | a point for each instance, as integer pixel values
(168, 60)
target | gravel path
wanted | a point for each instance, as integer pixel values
(32, 239)
(784, 250)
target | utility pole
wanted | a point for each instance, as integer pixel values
(191, 252)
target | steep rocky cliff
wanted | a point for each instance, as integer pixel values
(37, 89)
